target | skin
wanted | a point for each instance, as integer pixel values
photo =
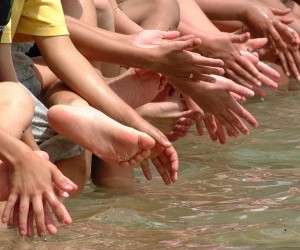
(157, 14)
(263, 21)
(25, 164)
(237, 66)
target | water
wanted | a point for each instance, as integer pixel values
(242, 195)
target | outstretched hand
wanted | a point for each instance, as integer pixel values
(216, 99)
(34, 182)
(173, 54)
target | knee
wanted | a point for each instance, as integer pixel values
(16, 99)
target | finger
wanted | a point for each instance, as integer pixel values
(173, 163)
(281, 12)
(16, 215)
(211, 126)
(240, 38)
(173, 34)
(284, 63)
(206, 61)
(296, 56)
(146, 169)
(61, 193)
(238, 89)
(211, 70)
(292, 65)
(277, 39)
(30, 230)
(238, 123)
(199, 126)
(132, 162)
(186, 45)
(239, 68)
(259, 92)
(205, 78)
(50, 225)
(165, 161)
(67, 219)
(161, 170)
(268, 82)
(23, 215)
(283, 30)
(220, 132)
(12, 199)
(56, 206)
(248, 66)
(231, 130)
(185, 38)
(243, 113)
(62, 182)
(236, 78)
(267, 70)
(236, 96)
(257, 43)
(38, 211)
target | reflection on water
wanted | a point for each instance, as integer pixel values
(242, 195)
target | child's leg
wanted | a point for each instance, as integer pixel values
(152, 14)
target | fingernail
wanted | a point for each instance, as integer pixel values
(167, 142)
(250, 93)
(65, 195)
(298, 78)
(258, 83)
(4, 220)
(69, 187)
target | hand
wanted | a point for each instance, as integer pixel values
(171, 55)
(237, 67)
(214, 128)
(166, 163)
(215, 99)
(32, 181)
(263, 21)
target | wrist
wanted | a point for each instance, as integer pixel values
(13, 159)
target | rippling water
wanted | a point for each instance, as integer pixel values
(242, 195)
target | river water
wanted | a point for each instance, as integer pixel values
(242, 195)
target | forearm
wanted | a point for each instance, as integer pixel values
(7, 70)
(95, 45)
(224, 10)
(9, 145)
(228, 26)
(76, 72)
(193, 19)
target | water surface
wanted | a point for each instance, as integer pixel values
(242, 195)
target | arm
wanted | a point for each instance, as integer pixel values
(7, 71)
(157, 55)
(224, 10)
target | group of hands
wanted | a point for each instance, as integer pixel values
(217, 77)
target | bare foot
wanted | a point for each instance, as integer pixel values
(137, 86)
(171, 117)
(106, 138)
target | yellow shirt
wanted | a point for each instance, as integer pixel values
(34, 18)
